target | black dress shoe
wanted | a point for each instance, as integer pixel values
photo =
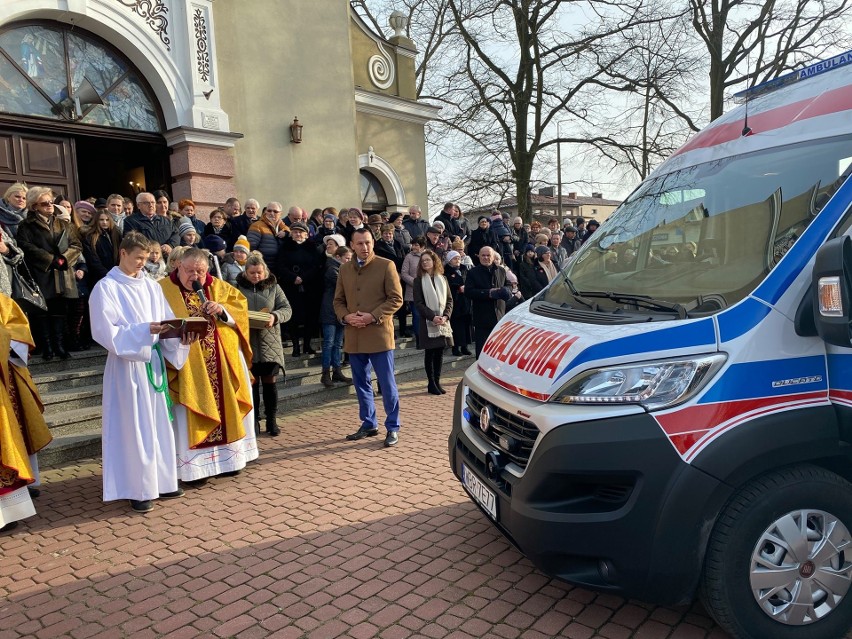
(195, 483)
(173, 495)
(309, 351)
(230, 473)
(392, 439)
(143, 506)
(33, 491)
(466, 351)
(361, 433)
(273, 432)
(10, 526)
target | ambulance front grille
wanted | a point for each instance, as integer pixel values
(509, 433)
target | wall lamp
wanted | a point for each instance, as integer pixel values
(296, 132)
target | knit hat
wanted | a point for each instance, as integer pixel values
(541, 250)
(592, 222)
(329, 216)
(394, 217)
(337, 237)
(82, 204)
(242, 244)
(298, 226)
(450, 255)
(529, 247)
(483, 217)
(185, 226)
(439, 225)
(214, 243)
(100, 203)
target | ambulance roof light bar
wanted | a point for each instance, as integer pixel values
(817, 68)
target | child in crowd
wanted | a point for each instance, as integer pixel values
(155, 267)
(188, 233)
(235, 263)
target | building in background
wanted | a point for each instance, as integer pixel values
(545, 205)
(198, 97)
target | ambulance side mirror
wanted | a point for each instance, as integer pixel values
(832, 292)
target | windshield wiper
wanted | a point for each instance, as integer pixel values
(641, 300)
(576, 294)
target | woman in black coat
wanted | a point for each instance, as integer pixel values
(299, 270)
(531, 277)
(456, 275)
(51, 249)
(482, 236)
(434, 303)
(100, 247)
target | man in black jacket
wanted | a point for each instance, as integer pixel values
(486, 288)
(416, 225)
(155, 227)
(451, 226)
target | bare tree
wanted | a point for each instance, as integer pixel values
(751, 41)
(656, 109)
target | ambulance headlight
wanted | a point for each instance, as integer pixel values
(653, 385)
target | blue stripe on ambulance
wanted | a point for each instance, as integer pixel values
(769, 378)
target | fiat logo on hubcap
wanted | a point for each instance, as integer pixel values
(485, 419)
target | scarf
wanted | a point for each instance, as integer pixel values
(435, 297)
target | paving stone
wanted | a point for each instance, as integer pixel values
(320, 537)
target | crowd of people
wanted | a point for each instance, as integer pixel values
(113, 271)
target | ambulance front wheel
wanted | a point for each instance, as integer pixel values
(779, 559)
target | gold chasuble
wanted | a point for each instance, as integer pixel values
(23, 431)
(211, 385)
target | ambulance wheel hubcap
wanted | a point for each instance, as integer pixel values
(801, 567)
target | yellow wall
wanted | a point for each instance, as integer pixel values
(401, 145)
(279, 59)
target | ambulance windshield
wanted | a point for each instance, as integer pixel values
(706, 235)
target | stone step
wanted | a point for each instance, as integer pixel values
(79, 397)
(64, 380)
(92, 358)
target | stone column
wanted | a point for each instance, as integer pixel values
(202, 166)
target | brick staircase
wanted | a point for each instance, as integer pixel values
(72, 391)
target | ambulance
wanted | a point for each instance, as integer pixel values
(672, 416)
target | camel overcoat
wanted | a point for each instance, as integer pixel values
(373, 288)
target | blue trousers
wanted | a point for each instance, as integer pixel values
(362, 364)
(332, 344)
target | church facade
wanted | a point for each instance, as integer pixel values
(286, 100)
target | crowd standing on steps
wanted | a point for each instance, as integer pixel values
(133, 275)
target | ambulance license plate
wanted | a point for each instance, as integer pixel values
(479, 491)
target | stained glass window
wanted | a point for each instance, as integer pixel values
(38, 64)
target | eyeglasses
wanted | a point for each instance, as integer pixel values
(147, 203)
(45, 204)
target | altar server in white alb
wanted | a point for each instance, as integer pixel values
(127, 309)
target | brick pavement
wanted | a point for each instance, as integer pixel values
(320, 538)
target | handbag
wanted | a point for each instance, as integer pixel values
(24, 287)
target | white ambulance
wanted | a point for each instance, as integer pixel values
(672, 416)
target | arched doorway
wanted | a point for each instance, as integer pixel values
(76, 115)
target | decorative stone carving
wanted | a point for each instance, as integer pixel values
(154, 13)
(381, 68)
(202, 53)
(210, 121)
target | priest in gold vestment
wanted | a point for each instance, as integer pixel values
(23, 431)
(214, 416)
